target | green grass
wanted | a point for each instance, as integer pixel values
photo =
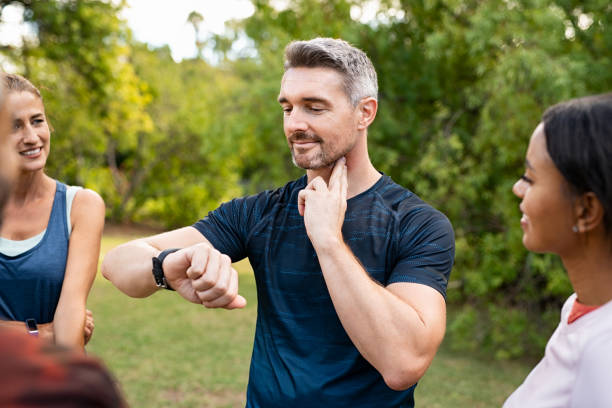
(167, 352)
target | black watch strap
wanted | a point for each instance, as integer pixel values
(31, 327)
(158, 271)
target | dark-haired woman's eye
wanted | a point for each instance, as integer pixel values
(526, 179)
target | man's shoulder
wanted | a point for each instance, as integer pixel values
(288, 190)
(280, 195)
(258, 205)
(407, 204)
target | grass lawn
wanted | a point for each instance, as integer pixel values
(167, 352)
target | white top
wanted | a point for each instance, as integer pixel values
(576, 371)
(9, 247)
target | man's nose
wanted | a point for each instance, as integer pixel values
(295, 121)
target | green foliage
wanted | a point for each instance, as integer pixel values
(129, 122)
(462, 86)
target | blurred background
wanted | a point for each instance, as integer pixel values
(168, 108)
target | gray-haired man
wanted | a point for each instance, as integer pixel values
(351, 268)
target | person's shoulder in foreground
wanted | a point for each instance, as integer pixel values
(34, 373)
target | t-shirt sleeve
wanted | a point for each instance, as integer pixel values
(227, 228)
(426, 249)
(592, 386)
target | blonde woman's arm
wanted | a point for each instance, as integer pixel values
(87, 217)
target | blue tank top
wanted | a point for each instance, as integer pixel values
(31, 283)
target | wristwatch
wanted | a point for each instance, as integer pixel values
(158, 270)
(32, 327)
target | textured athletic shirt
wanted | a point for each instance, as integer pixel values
(302, 357)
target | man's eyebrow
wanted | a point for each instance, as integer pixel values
(315, 99)
(282, 99)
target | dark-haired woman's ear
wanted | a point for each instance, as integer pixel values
(589, 213)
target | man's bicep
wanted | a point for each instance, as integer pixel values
(426, 301)
(179, 238)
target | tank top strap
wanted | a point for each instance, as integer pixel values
(58, 226)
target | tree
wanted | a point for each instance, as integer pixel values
(462, 85)
(196, 19)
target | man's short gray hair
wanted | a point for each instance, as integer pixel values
(360, 80)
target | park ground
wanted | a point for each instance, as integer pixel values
(166, 352)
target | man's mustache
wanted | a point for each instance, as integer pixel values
(304, 136)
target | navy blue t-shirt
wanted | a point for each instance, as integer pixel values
(302, 357)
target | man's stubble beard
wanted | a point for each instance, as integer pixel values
(321, 159)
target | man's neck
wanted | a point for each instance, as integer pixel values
(361, 175)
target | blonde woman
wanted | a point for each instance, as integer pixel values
(50, 239)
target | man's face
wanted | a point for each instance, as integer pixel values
(320, 122)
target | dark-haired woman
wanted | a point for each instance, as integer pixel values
(50, 239)
(566, 201)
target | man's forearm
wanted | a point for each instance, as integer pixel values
(129, 268)
(386, 330)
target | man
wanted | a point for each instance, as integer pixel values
(351, 268)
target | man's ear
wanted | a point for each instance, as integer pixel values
(589, 212)
(367, 109)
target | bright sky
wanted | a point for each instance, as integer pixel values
(155, 22)
(165, 22)
(160, 22)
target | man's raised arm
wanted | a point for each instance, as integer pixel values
(197, 271)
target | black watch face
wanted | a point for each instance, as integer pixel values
(31, 324)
